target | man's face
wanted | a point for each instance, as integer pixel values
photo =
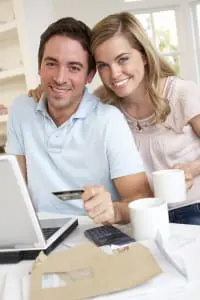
(64, 72)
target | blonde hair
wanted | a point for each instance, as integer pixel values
(156, 67)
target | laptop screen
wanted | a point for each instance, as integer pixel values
(18, 221)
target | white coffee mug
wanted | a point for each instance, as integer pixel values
(149, 218)
(169, 185)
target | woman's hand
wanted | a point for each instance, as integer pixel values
(3, 109)
(36, 93)
(189, 173)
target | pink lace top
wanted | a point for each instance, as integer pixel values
(174, 141)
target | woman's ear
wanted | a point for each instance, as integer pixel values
(144, 59)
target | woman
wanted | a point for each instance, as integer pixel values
(162, 110)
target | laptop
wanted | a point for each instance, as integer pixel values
(22, 234)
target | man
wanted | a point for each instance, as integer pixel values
(70, 139)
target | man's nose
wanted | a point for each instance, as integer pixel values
(60, 77)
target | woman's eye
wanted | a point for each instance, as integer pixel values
(123, 59)
(101, 66)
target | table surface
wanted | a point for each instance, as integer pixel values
(14, 279)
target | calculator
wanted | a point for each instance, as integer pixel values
(108, 235)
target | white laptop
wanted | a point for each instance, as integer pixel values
(22, 234)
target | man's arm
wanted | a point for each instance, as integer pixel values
(22, 163)
(191, 168)
(130, 188)
(126, 171)
(126, 167)
(98, 202)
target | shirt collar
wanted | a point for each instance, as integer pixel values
(42, 105)
(86, 105)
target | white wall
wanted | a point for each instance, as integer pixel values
(91, 11)
(32, 19)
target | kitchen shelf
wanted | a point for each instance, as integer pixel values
(8, 26)
(3, 118)
(11, 73)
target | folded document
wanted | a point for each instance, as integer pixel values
(87, 271)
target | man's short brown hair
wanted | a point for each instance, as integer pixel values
(72, 28)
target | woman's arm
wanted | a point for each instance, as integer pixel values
(191, 169)
(195, 165)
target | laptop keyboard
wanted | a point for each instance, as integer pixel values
(48, 232)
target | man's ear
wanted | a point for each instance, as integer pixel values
(91, 76)
(39, 68)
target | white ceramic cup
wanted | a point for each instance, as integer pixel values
(169, 185)
(149, 218)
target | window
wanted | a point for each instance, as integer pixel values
(198, 16)
(162, 30)
(196, 27)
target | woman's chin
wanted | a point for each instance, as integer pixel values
(122, 93)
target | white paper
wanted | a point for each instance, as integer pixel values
(2, 285)
(25, 286)
(12, 288)
(183, 254)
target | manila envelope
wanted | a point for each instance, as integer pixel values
(86, 271)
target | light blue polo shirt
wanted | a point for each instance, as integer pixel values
(94, 146)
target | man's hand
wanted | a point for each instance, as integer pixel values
(98, 204)
(36, 93)
(189, 174)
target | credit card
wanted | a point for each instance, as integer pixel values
(69, 195)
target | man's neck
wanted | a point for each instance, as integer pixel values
(61, 115)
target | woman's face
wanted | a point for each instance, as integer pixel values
(120, 66)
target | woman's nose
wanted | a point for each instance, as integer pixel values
(115, 71)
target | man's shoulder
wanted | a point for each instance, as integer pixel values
(105, 115)
(108, 110)
(23, 102)
(23, 99)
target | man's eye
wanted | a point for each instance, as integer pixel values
(74, 69)
(50, 64)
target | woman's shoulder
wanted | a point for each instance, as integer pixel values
(184, 99)
(179, 88)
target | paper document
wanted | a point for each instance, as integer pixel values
(183, 254)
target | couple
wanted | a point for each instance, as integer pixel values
(70, 139)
